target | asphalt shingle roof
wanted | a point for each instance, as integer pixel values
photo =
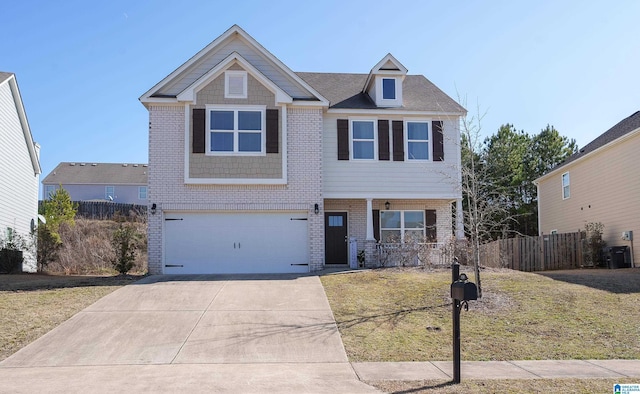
(4, 76)
(622, 128)
(98, 173)
(345, 91)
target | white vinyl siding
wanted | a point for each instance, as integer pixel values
(18, 180)
(388, 178)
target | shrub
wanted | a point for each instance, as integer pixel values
(48, 247)
(593, 244)
(124, 243)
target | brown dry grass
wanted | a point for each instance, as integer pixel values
(405, 315)
(86, 248)
(585, 386)
(33, 304)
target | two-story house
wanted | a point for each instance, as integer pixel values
(19, 170)
(599, 183)
(118, 182)
(254, 168)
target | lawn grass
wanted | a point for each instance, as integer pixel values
(584, 386)
(405, 315)
(33, 304)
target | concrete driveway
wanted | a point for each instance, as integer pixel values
(209, 333)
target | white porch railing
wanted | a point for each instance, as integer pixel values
(412, 254)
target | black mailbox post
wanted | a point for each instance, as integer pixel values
(461, 291)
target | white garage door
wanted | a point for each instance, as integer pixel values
(226, 243)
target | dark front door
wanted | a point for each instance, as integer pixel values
(335, 238)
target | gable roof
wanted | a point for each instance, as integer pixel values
(622, 128)
(345, 91)
(233, 40)
(32, 147)
(67, 173)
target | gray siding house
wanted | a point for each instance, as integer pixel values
(19, 168)
(117, 182)
(255, 168)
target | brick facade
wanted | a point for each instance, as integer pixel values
(168, 190)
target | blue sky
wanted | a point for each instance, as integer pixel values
(81, 65)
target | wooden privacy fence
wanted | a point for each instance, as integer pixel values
(547, 252)
(107, 210)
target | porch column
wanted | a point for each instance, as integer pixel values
(459, 220)
(370, 236)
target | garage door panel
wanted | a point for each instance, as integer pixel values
(236, 243)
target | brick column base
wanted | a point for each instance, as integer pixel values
(371, 254)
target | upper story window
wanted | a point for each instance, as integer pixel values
(48, 191)
(402, 226)
(142, 192)
(235, 84)
(109, 193)
(388, 88)
(417, 140)
(566, 186)
(388, 91)
(236, 130)
(363, 139)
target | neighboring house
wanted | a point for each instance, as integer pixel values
(600, 183)
(19, 168)
(117, 182)
(255, 168)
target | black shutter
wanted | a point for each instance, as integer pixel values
(383, 139)
(438, 141)
(398, 140)
(198, 123)
(272, 131)
(376, 224)
(430, 225)
(343, 139)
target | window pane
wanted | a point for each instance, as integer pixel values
(388, 89)
(390, 219)
(362, 150)
(236, 85)
(565, 179)
(419, 150)
(249, 142)
(390, 236)
(249, 120)
(362, 130)
(221, 120)
(418, 131)
(413, 235)
(414, 219)
(335, 221)
(222, 142)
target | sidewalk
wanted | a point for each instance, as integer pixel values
(481, 370)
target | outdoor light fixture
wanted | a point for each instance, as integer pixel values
(387, 205)
(316, 209)
(153, 208)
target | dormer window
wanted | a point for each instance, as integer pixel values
(235, 84)
(388, 88)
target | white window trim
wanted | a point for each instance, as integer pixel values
(106, 192)
(568, 185)
(375, 138)
(397, 102)
(402, 227)
(51, 188)
(235, 73)
(146, 191)
(236, 108)
(406, 139)
(395, 89)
